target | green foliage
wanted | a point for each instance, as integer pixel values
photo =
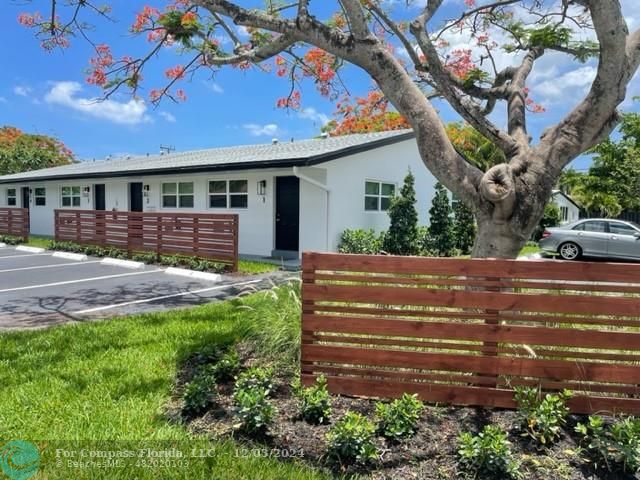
(440, 239)
(23, 152)
(145, 257)
(399, 419)
(549, 36)
(350, 440)
(253, 410)
(225, 369)
(198, 395)
(315, 401)
(550, 218)
(11, 240)
(614, 447)
(475, 147)
(365, 242)
(543, 417)
(464, 227)
(256, 378)
(402, 236)
(487, 454)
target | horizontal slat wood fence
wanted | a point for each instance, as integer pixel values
(209, 236)
(15, 222)
(467, 331)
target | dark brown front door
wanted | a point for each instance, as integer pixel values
(135, 197)
(25, 197)
(99, 199)
(287, 213)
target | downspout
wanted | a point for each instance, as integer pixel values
(322, 186)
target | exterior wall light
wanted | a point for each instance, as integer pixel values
(262, 187)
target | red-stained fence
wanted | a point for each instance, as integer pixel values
(15, 222)
(467, 331)
(204, 235)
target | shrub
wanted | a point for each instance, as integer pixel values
(197, 395)
(402, 236)
(256, 378)
(148, 257)
(399, 419)
(253, 410)
(350, 440)
(550, 218)
(226, 367)
(315, 401)
(440, 239)
(365, 242)
(487, 454)
(464, 227)
(543, 417)
(616, 447)
(11, 240)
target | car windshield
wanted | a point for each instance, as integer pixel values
(635, 225)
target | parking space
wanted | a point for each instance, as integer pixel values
(39, 289)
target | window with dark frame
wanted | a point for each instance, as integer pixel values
(228, 194)
(378, 195)
(12, 197)
(40, 196)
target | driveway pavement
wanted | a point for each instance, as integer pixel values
(39, 290)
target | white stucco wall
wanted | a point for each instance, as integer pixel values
(573, 212)
(346, 178)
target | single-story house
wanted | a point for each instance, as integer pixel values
(290, 196)
(569, 209)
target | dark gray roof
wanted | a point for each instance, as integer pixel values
(282, 154)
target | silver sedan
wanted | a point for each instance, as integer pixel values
(593, 237)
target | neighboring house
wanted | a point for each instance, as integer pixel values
(290, 196)
(569, 210)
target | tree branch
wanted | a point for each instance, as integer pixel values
(357, 21)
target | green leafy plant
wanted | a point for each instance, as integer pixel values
(11, 240)
(440, 238)
(487, 454)
(365, 242)
(350, 440)
(314, 401)
(614, 447)
(543, 417)
(402, 236)
(148, 257)
(256, 378)
(252, 409)
(225, 369)
(198, 395)
(399, 419)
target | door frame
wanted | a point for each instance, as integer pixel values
(275, 215)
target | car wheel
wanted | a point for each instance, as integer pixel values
(569, 251)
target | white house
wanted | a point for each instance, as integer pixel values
(290, 196)
(569, 210)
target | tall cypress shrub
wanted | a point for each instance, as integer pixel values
(402, 237)
(441, 239)
(464, 227)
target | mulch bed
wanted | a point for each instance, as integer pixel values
(431, 454)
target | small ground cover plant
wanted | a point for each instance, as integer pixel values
(253, 410)
(198, 395)
(350, 440)
(314, 401)
(11, 240)
(399, 418)
(256, 378)
(615, 447)
(226, 368)
(542, 416)
(487, 454)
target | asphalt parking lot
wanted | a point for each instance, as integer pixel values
(39, 289)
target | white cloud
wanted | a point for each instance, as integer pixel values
(168, 117)
(312, 114)
(215, 87)
(132, 112)
(256, 130)
(568, 85)
(22, 90)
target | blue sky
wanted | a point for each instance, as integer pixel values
(42, 92)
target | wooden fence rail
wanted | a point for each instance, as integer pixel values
(15, 222)
(204, 235)
(467, 331)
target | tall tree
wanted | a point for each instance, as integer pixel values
(508, 198)
(402, 236)
(440, 232)
(464, 227)
(22, 152)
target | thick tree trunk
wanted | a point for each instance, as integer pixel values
(497, 240)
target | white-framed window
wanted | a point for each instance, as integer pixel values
(71, 196)
(228, 194)
(12, 197)
(40, 196)
(177, 195)
(378, 195)
(564, 213)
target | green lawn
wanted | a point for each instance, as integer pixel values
(109, 381)
(530, 249)
(36, 241)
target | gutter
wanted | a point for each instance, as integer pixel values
(322, 186)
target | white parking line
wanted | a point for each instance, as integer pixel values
(68, 282)
(49, 266)
(21, 256)
(149, 300)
